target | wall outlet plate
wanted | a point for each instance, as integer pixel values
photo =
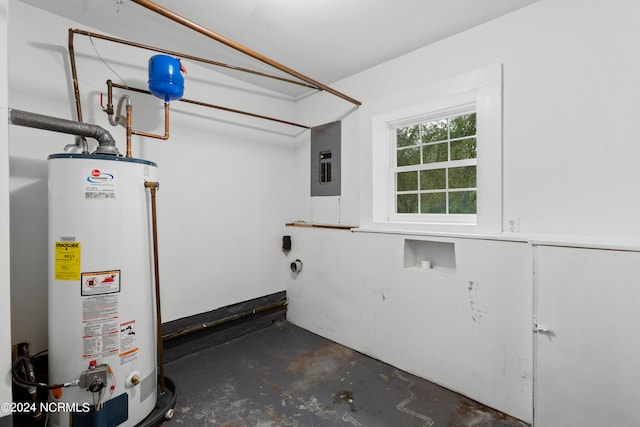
(512, 225)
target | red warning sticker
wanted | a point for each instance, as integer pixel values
(100, 282)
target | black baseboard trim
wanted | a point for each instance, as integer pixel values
(187, 335)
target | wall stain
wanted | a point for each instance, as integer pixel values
(478, 310)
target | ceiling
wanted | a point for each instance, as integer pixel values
(326, 40)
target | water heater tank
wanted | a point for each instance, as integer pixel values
(102, 327)
(165, 77)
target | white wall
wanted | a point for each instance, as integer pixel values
(5, 309)
(588, 298)
(466, 330)
(225, 182)
(569, 167)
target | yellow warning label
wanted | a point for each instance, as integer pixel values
(67, 265)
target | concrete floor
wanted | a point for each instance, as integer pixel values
(283, 375)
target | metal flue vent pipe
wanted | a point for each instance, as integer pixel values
(106, 143)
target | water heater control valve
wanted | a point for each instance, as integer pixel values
(94, 379)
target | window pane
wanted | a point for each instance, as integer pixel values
(463, 126)
(407, 181)
(433, 203)
(435, 153)
(434, 131)
(462, 202)
(409, 156)
(407, 136)
(464, 177)
(438, 144)
(463, 149)
(435, 179)
(407, 203)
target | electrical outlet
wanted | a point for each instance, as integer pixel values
(513, 225)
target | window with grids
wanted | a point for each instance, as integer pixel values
(436, 162)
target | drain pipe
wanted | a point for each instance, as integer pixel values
(106, 142)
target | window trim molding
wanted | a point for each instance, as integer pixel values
(481, 89)
(393, 215)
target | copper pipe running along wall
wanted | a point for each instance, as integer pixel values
(208, 33)
(204, 104)
(76, 89)
(90, 34)
(152, 135)
(110, 111)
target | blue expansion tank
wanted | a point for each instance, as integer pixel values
(165, 78)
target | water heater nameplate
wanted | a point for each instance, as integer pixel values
(100, 184)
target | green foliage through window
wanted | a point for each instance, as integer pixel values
(436, 166)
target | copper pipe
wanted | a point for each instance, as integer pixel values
(166, 127)
(109, 110)
(74, 76)
(153, 187)
(129, 130)
(208, 33)
(183, 56)
(218, 107)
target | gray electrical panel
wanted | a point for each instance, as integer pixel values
(325, 159)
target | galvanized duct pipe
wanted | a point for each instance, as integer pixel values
(106, 142)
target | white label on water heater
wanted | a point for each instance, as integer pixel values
(100, 326)
(128, 343)
(100, 184)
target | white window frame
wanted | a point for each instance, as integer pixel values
(428, 217)
(479, 90)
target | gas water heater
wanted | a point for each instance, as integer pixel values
(105, 366)
(102, 328)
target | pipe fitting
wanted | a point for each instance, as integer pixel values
(296, 266)
(132, 380)
(106, 142)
